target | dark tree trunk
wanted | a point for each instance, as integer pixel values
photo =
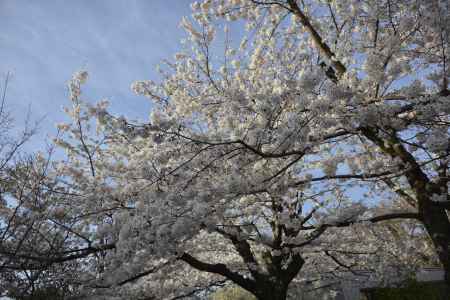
(274, 290)
(264, 286)
(269, 283)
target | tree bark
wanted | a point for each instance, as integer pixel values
(275, 291)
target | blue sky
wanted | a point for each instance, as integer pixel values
(43, 42)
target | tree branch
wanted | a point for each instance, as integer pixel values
(325, 49)
(318, 231)
(220, 269)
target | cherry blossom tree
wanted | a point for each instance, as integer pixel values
(24, 198)
(321, 105)
(263, 162)
(28, 218)
(33, 237)
(390, 62)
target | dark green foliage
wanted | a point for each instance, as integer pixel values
(412, 291)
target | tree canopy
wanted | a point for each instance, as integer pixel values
(308, 145)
